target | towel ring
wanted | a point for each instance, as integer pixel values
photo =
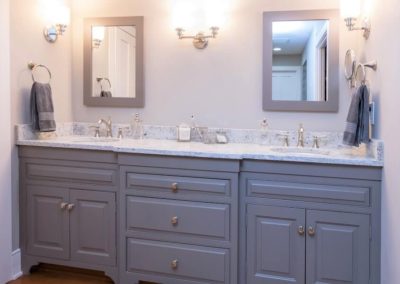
(362, 67)
(33, 67)
(100, 80)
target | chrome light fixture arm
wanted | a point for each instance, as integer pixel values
(200, 41)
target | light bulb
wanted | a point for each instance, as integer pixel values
(350, 8)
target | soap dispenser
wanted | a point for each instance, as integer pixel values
(264, 132)
(136, 127)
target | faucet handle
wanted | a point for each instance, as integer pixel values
(317, 140)
(96, 130)
(285, 137)
(121, 131)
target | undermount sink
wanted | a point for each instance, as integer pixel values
(295, 150)
(96, 139)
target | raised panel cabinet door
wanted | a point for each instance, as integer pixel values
(47, 222)
(275, 245)
(93, 227)
(337, 247)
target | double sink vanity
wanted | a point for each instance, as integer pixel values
(161, 211)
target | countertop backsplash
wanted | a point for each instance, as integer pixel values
(270, 137)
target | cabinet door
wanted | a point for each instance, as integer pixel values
(93, 227)
(275, 245)
(47, 222)
(337, 248)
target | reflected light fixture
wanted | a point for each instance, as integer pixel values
(200, 40)
(97, 36)
(277, 49)
(351, 10)
(60, 19)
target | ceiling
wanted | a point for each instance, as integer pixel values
(292, 36)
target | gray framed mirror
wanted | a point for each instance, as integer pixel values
(113, 62)
(301, 61)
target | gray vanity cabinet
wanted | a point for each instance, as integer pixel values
(93, 227)
(337, 247)
(309, 223)
(179, 220)
(47, 223)
(68, 209)
(275, 248)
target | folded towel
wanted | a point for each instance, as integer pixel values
(357, 125)
(42, 109)
(106, 94)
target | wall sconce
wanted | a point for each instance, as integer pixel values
(200, 41)
(98, 34)
(60, 16)
(351, 10)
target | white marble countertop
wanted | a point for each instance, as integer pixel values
(237, 151)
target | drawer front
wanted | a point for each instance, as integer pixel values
(191, 218)
(72, 172)
(177, 185)
(195, 262)
(308, 189)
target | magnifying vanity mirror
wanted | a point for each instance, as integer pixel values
(301, 61)
(113, 62)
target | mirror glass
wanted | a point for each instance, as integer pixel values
(299, 60)
(114, 61)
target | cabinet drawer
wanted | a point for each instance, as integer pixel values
(195, 262)
(72, 172)
(308, 189)
(191, 218)
(177, 185)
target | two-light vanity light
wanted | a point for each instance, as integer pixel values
(351, 12)
(200, 40)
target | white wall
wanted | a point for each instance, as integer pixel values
(221, 85)
(384, 45)
(5, 144)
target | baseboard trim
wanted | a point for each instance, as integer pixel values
(16, 264)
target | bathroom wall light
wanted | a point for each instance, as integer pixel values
(351, 10)
(60, 19)
(200, 40)
(97, 36)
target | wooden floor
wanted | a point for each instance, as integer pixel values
(49, 274)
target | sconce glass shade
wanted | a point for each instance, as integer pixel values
(59, 18)
(350, 8)
(62, 16)
(98, 33)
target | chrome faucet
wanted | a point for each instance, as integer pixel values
(108, 124)
(300, 139)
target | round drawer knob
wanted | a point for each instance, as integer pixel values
(301, 230)
(63, 205)
(174, 220)
(174, 187)
(174, 264)
(70, 207)
(311, 231)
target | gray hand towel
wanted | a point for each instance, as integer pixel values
(106, 94)
(42, 109)
(357, 125)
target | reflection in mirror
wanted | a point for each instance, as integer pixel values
(299, 64)
(114, 61)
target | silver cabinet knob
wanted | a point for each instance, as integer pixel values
(311, 231)
(174, 264)
(301, 230)
(70, 207)
(174, 187)
(63, 205)
(174, 221)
